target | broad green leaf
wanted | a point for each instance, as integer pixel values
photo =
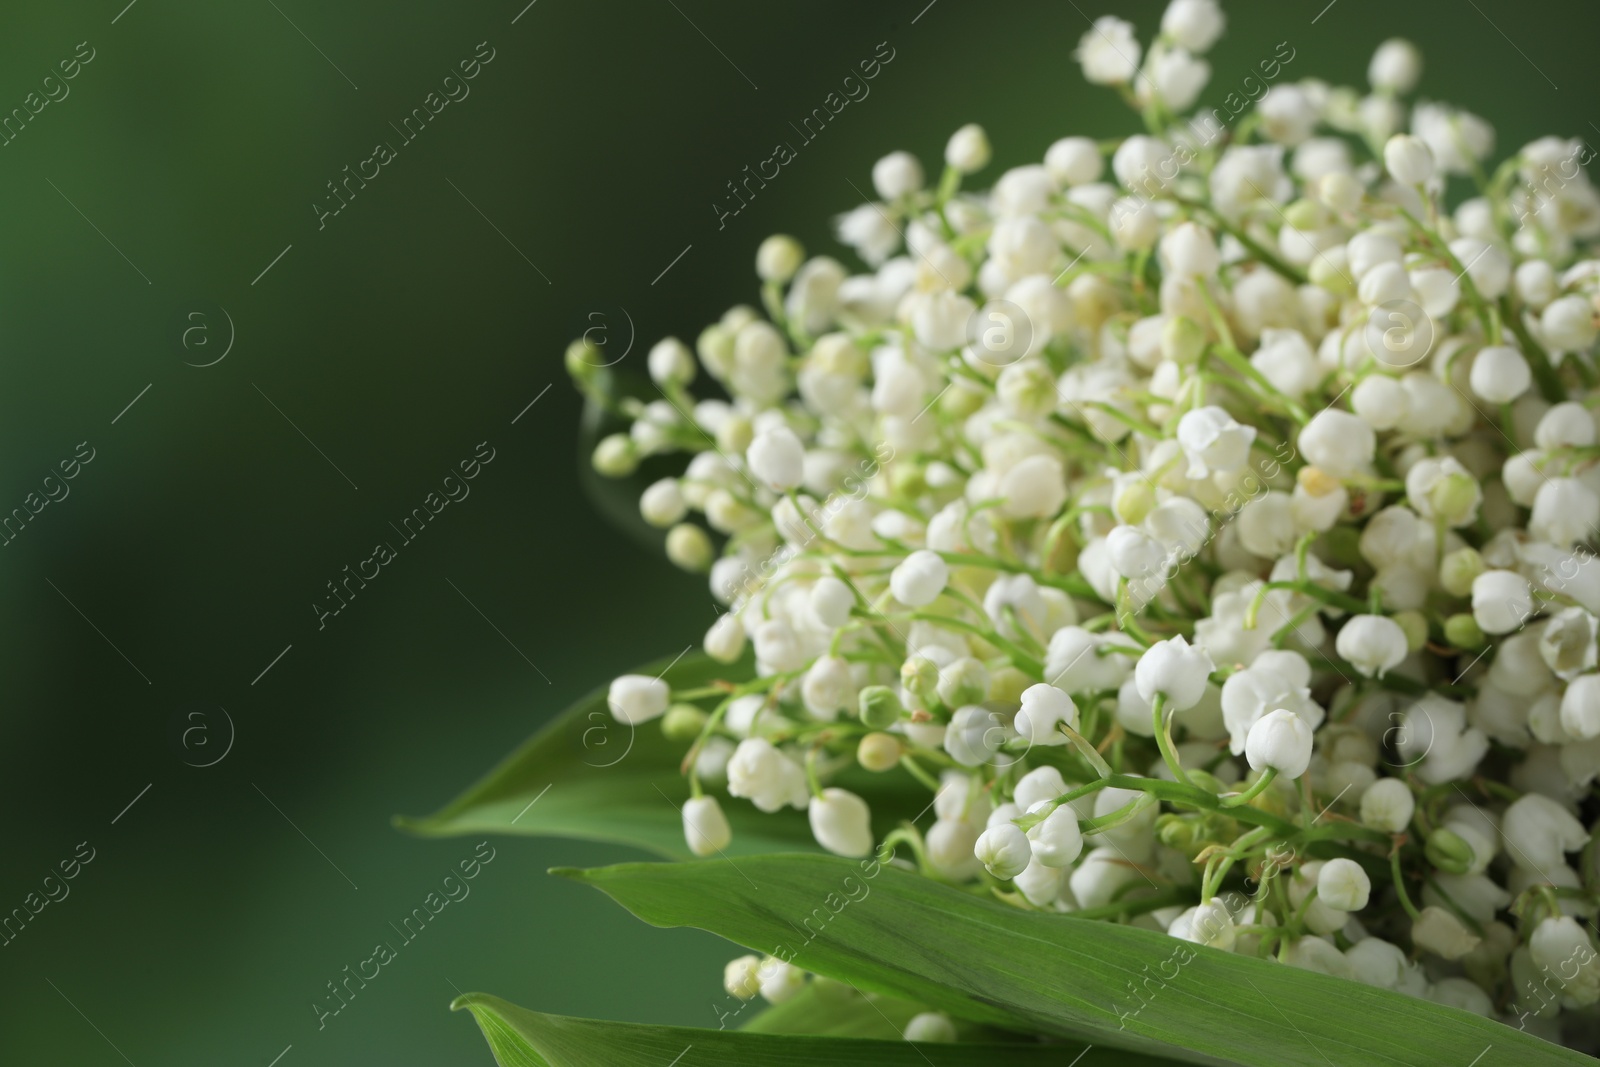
(891, 931)
(522, 1038)
(825, 1008)
(828, 1008)
(588, 776)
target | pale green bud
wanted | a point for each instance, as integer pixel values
(683, 722)
(1006, 685)
(616, 456)
(879, 752)
(965, 681)
(1454, 497)
(1327, 274)
(778, 258)
(1415, 626)
(1182, 339)
(920, 676)
(1134, 500)
(1462, 631)
(1305, 215)
(689, 547)
(735, 435)
(1459, 569)
(1449, 851)
(715, 346)
(880, 707)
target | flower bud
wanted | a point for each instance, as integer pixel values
(637, 698)
(1463, 631)
(1341, 192)
(1449, 851)
(662, 504)
(1501, 601)
(1441, 933)
(919, 579)
(920, 677)
(949, 844)
(841, 822)
(1058, 840)
(670, 363)
(1408, 159)
(1004, 850)
(1194, 24)
(742, 977)
(879, 707)
(777, 458)
(1343, 884)
(1281, 740)
(1580, 707)
(1175, 668)
(778, 257)
(879, 752)
(724, 642)
(1182, 340)
(1044, 710)
(1387, 805)
(780, 981)
(1074, 161)
(584, 361)
(1395, 66)
(968, 149)
(1372, 644)
(735, 434)
(897, 174)
(1134, 498)
(1414, 625)
(1206, 924)
(1560, 946)
(689, 547)
(930, 1026)
(964, 681)
(1459, 569)
(1500, 374)
(683, 722)
(705, 828)
(616, 456)
(1039, 785)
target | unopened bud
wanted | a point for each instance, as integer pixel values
(1459, 569)
(880, 707)
(616, 456)
(1316, 481)
(683, 722)
(689, 547)
(879, 752)
(1463, 631)
(1449, 851)
(1415, 626)
(1182, 340)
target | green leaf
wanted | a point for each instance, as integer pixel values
(828, 1008)
(825, 1008)
(523, 1038)
(588, 776)
(891, 931)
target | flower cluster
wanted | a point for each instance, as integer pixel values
(1217, 523)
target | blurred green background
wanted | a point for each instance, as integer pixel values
(377, 352)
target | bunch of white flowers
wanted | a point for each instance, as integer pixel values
(1211, 538)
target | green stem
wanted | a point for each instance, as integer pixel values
(1254, 791)
(1400, 887)
(1164, 739)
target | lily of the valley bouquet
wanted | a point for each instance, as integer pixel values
(1159, 605)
